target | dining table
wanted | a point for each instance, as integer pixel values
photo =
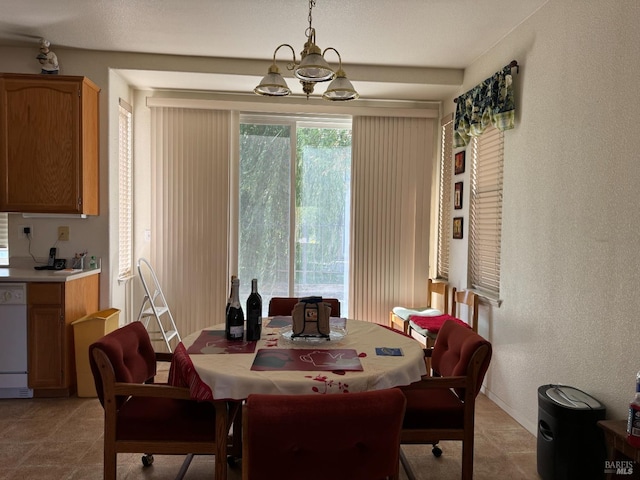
(357, 356)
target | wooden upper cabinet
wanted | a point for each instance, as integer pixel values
(49, 144)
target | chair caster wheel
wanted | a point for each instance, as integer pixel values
(437, 451)
(147, 459)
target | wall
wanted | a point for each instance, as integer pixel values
(571, 225)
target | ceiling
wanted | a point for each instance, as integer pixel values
(432, 40)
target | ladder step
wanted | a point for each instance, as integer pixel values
(168, 333)
(149, 312)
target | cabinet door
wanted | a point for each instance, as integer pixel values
(46, 358)
(40, 141)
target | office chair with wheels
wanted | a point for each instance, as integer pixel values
(442, 407)
(147, 417)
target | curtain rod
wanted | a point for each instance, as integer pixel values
(513, 64)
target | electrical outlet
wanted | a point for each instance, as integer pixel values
(63, 234)
(26, 231)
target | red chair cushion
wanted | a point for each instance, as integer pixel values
(142, 418)
(432, 408)
(131, 354)
(317, 437)
(434, 324)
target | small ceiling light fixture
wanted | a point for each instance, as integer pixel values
(311, 69)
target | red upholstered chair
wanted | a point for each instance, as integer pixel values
(284, 306)
(442, 407)
(355, 436)
(144, 417)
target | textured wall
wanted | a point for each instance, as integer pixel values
(571, 223)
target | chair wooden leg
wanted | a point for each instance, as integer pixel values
(110, 463)
(467, 457)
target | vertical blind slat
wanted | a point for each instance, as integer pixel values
(390, 210)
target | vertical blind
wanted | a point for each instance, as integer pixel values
(390, 211)
(190, 154)
(485, 226)
(125, 192)
(444, 208)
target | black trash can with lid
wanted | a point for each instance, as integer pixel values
(570, 444)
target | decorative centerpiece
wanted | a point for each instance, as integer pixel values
(310, 317)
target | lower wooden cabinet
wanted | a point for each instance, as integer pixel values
(51, 308)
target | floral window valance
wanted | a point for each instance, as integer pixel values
(489, 103)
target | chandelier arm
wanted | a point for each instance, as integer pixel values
(337, 53)
(290, 66)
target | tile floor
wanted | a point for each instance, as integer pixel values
(56, 439)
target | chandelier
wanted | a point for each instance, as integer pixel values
(311, 69)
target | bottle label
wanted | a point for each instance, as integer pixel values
(633, 424)
(236, 331)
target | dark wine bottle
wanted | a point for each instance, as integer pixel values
(254, 313)
(234, 322)
(226, 309)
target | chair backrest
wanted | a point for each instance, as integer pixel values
(459, 351)
(441, 289)
(316, 437)
(284, 305)
(470, 299)
(130, 353)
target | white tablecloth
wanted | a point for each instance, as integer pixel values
(229, 376)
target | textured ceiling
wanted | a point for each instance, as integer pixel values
(423, 34)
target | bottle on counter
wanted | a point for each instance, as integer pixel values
(234, 322)
(633, 422)
(92, 263)
(254, 313)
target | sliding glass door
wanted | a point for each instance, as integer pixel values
(295, 177)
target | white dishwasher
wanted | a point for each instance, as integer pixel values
(13, 341)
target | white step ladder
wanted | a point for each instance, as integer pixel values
(154, 305)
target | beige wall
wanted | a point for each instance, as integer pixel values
(571, 223)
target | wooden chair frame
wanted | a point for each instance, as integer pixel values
(470, 384)
(471, 300)
(113, 446)
(433, 288)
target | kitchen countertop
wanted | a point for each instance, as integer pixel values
(20, 274)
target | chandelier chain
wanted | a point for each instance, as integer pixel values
(312, 3)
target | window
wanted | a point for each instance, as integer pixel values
(295, 176)
(485, 225)
(125, 193)
(444, 209)
(4, 239)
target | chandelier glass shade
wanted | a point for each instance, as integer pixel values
(311, 69)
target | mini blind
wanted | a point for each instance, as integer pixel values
(4, 239)
(485, 212)
(444, 205)
(125, 193)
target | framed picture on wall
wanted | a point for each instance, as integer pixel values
(457, 227)
(457, 196)
(459, 163)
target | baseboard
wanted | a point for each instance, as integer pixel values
(530, 427)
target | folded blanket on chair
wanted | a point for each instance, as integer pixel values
(433, 324)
